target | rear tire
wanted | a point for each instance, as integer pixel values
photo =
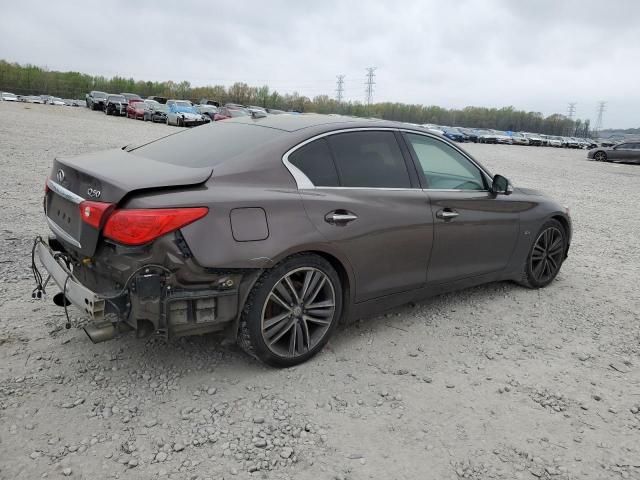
(291, 311)
(546, 255)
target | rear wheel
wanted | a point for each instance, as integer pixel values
(546, 255)
(291, 311)
(600, 157)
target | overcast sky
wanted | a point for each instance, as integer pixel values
(533, 54)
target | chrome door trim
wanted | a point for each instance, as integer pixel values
(304, 183)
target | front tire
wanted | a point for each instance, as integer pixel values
(600, 157)
(546, 255)
(291, 311)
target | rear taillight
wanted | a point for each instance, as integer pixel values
(137, 227)
(95, 213)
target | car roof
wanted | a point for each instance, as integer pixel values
(292, 123)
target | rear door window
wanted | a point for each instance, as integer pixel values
(369, 159)
(315, 161)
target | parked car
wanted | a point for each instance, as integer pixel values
(8, 97)
(607, 142)
(275, 111)
(486, 136)
(96, 100)
(228, 112)
(555, 142)
(206, 101)
(253, 109)
(502, 137)
(34, 99)
(182, 114)
(544, 140)
(206, 234)
(534, 139)
(131, 96)
(591, 143)
(571, 142)
(519, 139)
(208, 110)
(162, 100)
(627, 152)
(115, 105)
(136, 110)
(453, 134)
(56, 101)
(470, 134)
(156, 112)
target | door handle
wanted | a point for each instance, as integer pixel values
(447, 214)
(340, 217)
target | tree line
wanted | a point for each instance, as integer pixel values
(34, 80)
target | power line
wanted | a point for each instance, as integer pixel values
(339, 88)
(602, 107)
(369, 84)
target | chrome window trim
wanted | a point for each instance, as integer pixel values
(62, 234)
(304, 183)
(63, 192)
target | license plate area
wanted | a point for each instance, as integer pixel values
(65, 214)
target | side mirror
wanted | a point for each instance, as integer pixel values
(501, 186)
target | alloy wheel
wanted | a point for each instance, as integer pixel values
(600, 157)
(298, 312)
(546, 257)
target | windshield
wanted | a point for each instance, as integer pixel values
(99, 94)
(180, 107)
(116, 98)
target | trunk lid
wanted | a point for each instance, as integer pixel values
(106, 176)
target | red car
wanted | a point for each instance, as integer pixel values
(135, 109)
(228, 112)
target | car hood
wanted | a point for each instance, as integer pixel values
(189, 115)
(529, 191)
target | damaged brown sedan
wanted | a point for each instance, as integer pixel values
(276, 229)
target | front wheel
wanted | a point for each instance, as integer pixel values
(545, 256)
(600, 157)
(291, 311)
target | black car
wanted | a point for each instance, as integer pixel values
(156, 112)
(470, 135)
(95, 100)
(116, 105)
(162, 100)
(206, 101)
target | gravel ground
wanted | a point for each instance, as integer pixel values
(493, 382)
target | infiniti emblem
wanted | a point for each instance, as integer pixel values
(60, 176)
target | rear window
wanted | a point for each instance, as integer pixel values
(315, 161)
(207, 145)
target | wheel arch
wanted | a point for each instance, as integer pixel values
(567, 228)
